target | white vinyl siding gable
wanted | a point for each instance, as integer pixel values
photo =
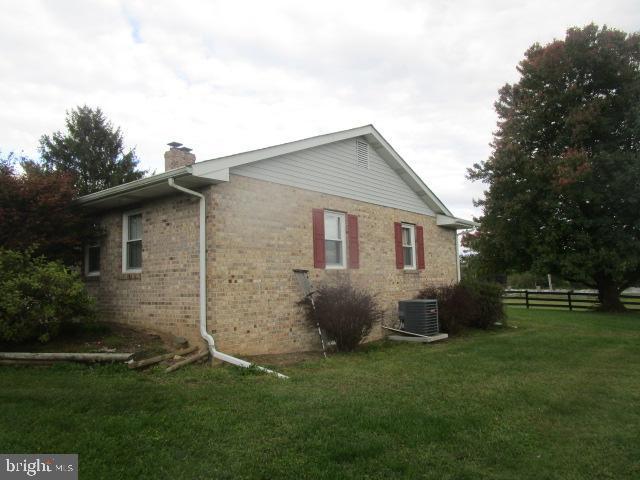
(334, 169)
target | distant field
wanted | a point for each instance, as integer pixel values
(559, 300)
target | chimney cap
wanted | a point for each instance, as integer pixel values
(185, 149)
(174, 144)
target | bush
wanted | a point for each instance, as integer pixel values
(455, 304)
(346, 314)
(37, 296)
(487, 300)
(466, 304)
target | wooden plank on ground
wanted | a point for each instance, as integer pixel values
(26, 362)
(161, 358)
(187, 361)
(67, 357)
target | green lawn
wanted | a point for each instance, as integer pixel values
(556, 397)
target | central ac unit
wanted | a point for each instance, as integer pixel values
(419, 316)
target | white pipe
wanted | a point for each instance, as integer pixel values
(458, 240)
(458, 275)
(203, 290)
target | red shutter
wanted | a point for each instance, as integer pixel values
(353, 247)
(397, 226)
(318, 238)
(420, 246)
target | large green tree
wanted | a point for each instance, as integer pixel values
(564, 175)
(92, 150)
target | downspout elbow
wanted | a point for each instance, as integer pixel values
(203, 289)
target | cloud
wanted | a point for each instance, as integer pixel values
(224, 77)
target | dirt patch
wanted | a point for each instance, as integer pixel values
(99, 337)
(284, 359)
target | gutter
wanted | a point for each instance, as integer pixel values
(134, 185)
(203, 290)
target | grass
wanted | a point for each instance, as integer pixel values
(556, 397)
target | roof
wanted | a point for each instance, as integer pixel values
(375, 139)
(143, 189)
(216, 170)
(455, 223)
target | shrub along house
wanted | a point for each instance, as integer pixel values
(341, 204)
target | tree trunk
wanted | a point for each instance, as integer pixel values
(609, 295)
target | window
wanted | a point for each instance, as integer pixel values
(92, 260)
(132, 242)
(409, 246)
(334, 239)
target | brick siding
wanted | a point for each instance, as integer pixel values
(257, 233)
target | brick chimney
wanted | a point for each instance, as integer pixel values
(178, 156)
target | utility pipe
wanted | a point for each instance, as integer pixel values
(203, 290)
(458, 273)
(458, 241)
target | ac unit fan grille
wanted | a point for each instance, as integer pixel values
(420, 316)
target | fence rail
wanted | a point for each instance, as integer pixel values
(565, 299)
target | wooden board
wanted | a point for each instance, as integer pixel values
(67, 357)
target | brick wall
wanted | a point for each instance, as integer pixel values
(257, 233)
(165, 295)
(261, 231)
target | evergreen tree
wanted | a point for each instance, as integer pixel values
(91, 150)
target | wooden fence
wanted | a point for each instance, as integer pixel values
(565, 299)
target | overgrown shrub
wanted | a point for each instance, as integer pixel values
(467, 304)
(345, 313)
(37, 296)
(455, 305)
(487, 301)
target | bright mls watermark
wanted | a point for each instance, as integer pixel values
(50, 466)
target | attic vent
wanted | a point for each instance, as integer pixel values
(362, 154)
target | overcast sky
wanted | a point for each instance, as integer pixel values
(225, 77)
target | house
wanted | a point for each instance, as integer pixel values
(341, 204)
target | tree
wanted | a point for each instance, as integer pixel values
(91, 150)
(564, 176)
(37, 213)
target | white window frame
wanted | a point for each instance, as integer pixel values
(343, 239)
(125, 240)
(412, 244)
(87, 273)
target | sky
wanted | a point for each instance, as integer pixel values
(226, 77)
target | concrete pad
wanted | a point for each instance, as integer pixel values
(430, 339)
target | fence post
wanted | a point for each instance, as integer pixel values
(569, 299)
(526, 297)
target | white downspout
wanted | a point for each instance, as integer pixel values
(458, 273)
(203, 290)
(458, 240)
